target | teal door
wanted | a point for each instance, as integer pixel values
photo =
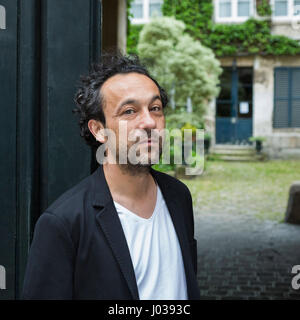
(234, 107)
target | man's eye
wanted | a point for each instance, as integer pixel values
(156, 108)
(129, 111)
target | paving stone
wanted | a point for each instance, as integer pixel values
(241, 257)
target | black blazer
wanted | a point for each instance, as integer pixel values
(79, 250)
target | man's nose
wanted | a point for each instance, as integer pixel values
(147, 121)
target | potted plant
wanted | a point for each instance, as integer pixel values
(189, 126)
(207, 140)
(258, 142)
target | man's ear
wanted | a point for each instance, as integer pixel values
(97, 129)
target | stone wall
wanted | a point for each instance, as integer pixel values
(286, 28)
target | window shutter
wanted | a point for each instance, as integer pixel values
(295, 92)
(281, 98)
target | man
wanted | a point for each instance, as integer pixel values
(126, 231)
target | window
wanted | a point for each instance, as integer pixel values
(143, 10)
(137, 9)
(244, 8)
(155, 8)
(233, 10)
(224, 8)
(285, 10)
(296, 8)
(286, 98)
(281, 8)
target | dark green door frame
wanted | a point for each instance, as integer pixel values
(44, 48)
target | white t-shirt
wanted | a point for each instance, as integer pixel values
(155, 253)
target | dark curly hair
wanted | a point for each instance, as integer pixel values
(88, 97)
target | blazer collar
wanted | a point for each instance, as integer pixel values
(109, 222)
(102, 195)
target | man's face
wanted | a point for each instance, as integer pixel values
(134, 100)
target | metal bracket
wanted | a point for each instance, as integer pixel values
(2, 18)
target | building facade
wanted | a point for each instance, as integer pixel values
(260, 94)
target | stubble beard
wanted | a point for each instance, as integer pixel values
(139, 168)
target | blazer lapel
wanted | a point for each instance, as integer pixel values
(110, 223)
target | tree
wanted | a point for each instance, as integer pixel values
(181, 64)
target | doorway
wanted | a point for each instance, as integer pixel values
(234, 106)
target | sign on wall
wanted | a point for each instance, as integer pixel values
(244, 107)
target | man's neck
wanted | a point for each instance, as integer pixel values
(124, 184)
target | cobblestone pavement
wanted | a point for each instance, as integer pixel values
(242, 257)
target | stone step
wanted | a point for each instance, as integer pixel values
(234, 152)
(233, 146)
(244, 158)
(241, 152)
(237, 158)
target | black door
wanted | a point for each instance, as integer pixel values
(44, 47)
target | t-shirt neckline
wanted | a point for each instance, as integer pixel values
(136, 216)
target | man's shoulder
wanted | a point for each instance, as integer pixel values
(73, 201)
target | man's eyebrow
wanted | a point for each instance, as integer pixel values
(157, 97)
(133, 101)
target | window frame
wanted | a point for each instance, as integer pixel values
(234, 18)
(290, 12)
(146, 13)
